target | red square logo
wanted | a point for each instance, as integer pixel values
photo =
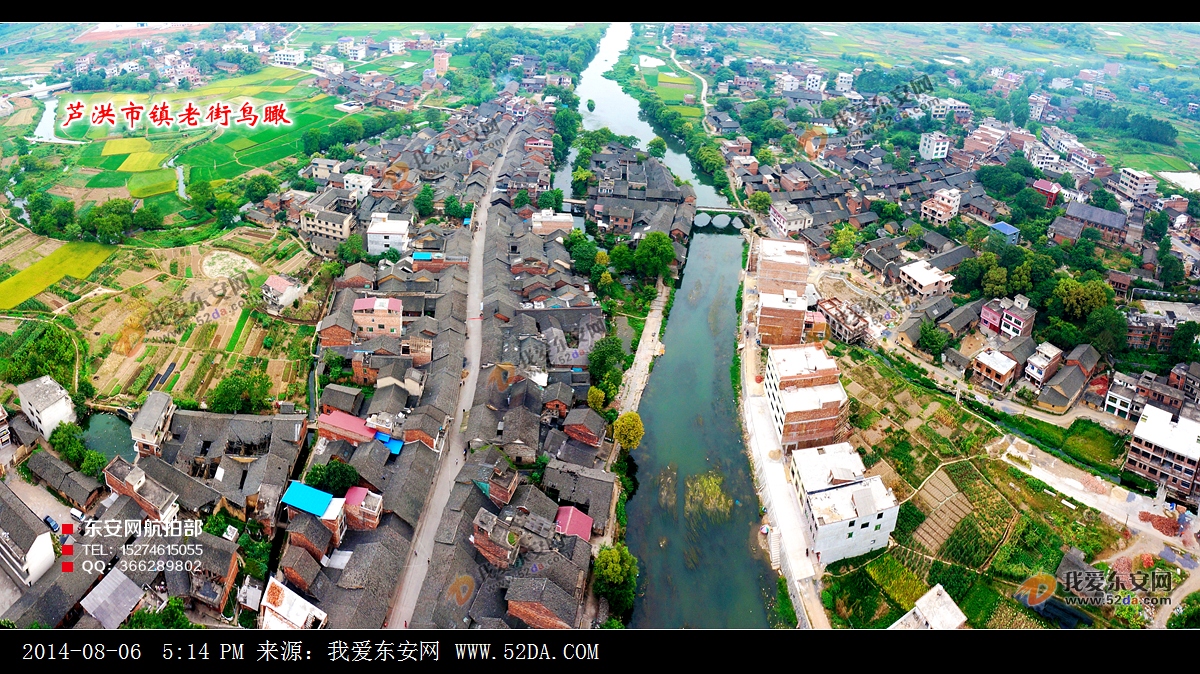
(68, 549)
(68, 528)
(68, 567)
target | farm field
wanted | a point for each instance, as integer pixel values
(76, 259)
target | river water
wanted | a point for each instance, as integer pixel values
(619, 112)
(700, 570)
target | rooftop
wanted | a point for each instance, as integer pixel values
(811, 398)
(308, 499)
(851, 501)
(923, 274)
(801, 359)
(999, 362)
(1181, 437)
(789, 252)
(830, 466)
(935, 610)
(42, 392)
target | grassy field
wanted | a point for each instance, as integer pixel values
(237, 331)
(108, 179)
(126, 146)
(687, 111)
(76, 259)
(150, 183)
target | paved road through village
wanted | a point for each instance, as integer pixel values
(451, 459)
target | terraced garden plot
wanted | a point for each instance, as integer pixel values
(993, 510)
(937, 489)
(901, 585)
(936, 529)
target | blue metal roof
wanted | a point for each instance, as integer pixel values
(304, 497)
(392, 444)
(1005, 228)
(422, 256)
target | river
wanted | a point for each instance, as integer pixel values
(44, 132)
(619, 112)
(703, 572)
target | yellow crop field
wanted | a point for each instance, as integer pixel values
(125, 146)
(141, 161)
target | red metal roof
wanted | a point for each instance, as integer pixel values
(346, 422)
(572, 522)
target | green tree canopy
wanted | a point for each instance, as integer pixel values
(657, 146)
(241, 392)
(759, 202)
(654, 255)
(424, 201)
(616, 572)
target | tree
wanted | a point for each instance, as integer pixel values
(605, 353)
(1183, 343)
(616, 572)
(628, 430)
(1106, 329)
(241, 392)
(546, 200)
(259, 186)
(93, 463)
(352, 250)
(424, 201)
(601, 259)
(657, 146)
(654, 255)
(201, 194)
(591, 105)
(521, 199)
(147, 218)
(1079, 300)
(622, 259)
(1102, 198)
(583, 256)
(338, 478)
(1170, 268)
(225, 210)
(1157, 227)
(67, 440)
(1067, 180)
(759, 202)
(595, 398)
(765, 156)
(995, 282)
(798, 114)
(843, 241)
(1020, 280)
(452, 208)
(933, 339)
(915, 232)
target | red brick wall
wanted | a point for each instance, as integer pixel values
(780, 326)
(558, 406)
(335, 335)
(494, 553)
(816, 427)
(411, 435)
(303, 542)
(352, 282)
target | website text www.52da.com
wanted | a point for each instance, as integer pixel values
(1112, 599)
(528, 651)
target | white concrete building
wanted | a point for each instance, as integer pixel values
(935, 145)
(786, 82)
(942, 207)
(46, 404)
(1135, 183)
(359, 184)
(847, 513)
(790, 218)
(924, 280)
(845, 82)
(26, 543)
(287, 57)
(386, 231)
(814, 82)
(357, 52)
(935, 610)
(395, 46)
(149, 427)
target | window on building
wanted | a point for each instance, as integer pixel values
(878, 527)
(879, 516)
(851, 524)
(850, 535)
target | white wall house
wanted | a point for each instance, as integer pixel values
(46, 404)
(386, 231)
(847, 513)
(359, 184)
(26, 543)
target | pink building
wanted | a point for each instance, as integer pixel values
(375, 316)
(441, 62)
(1010, 317)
